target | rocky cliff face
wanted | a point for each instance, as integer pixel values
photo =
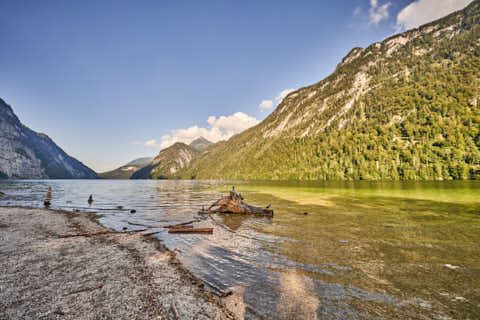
(168, 162)
(126, 171)
(26, 154)
(404, 108)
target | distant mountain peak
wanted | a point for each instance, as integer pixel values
(140, 162)
(200, 144)
(168, 162)
(126, 171)
(201, 139)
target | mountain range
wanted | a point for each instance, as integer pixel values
(169, 161)
(126, 171)
(26, 154)
(406, 108)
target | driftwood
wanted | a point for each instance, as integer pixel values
(98, 233)
(149, 234)
(234, 204)
(191, 230)
(179, 227)
(180, 224)
(175, 312)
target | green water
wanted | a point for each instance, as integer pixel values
(364, 250)
(416, 242)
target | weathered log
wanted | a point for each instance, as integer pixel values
(234, 204)
(98, 233)
(191, 230)
(180, 224)
(149, 234)
(175, 312)
(179, 227)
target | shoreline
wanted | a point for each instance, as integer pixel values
(112, 275)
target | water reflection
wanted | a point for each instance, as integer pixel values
(364, 250)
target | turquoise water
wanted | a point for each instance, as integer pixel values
(363, 251)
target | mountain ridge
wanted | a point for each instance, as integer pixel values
(26, 154)
(386, 112)
(168, 162)
(200, 144)
(127, 170)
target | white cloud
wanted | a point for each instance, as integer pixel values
(424, 11)
(266, 104)
(283, 94)
(235, 123)
(151, 143)
(221, 128)
(357, 11)
(378, 13)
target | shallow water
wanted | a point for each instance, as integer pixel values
(364, 250)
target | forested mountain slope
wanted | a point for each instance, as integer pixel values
(405, 108)
(168, 162)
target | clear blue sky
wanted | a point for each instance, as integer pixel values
(103, 77)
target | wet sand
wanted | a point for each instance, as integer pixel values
(104, 276)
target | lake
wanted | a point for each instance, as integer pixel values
(333, 250)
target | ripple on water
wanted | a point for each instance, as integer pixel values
(283, 268)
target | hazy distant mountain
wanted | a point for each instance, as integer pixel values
(168, 162)
(405, 108)
(26, 154)
(126, 171)
(200, 144)
(140, 162)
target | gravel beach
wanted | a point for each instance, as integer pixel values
(104, 276)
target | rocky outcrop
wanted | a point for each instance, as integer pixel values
(26, 154)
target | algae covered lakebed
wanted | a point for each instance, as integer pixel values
(417, 242)
(364, 250)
